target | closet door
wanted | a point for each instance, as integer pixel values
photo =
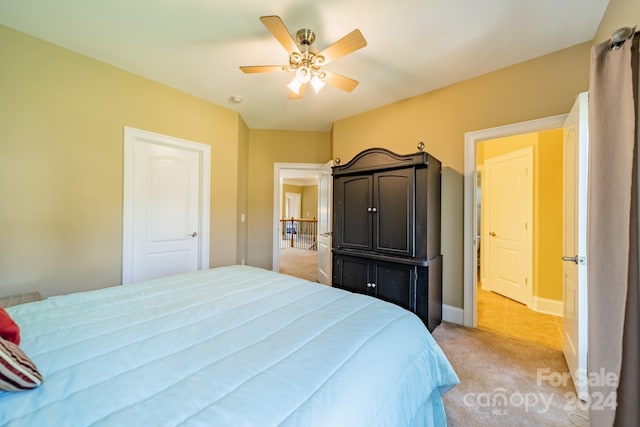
(394, 216)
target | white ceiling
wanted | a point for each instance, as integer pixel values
(414, 46)
(300, 177)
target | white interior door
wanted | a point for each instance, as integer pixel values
(164, 223)
(325, 202)
(292, 205)
(508, 198)
(574, 268)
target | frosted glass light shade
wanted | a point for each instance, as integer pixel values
(317, 84)
(294, 86)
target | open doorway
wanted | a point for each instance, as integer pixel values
(519, 193)
(302, 219)
(486, 308)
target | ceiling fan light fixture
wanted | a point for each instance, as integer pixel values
(318, 61)
(294, 59)
(303, 74)
(295, 85)
(317, 84)
(306, 61)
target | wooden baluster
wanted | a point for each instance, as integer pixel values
(291, 231)
(314, 238)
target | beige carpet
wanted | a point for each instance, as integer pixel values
(299, 263)
(506, 382)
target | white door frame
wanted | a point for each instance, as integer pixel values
(277, 172)
(131, 137)
(471, 139)
(296, 198)
(325, 226)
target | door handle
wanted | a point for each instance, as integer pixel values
(492, 234)
(570, 258)
(194, 234)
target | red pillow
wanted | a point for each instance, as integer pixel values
(9, 330)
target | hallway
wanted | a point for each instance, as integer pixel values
(299, 263)
(507, 317)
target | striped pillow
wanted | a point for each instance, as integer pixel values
(17, 371)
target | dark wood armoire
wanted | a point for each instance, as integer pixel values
(386, 230)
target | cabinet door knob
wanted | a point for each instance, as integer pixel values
(368, 209)
(374, 210)
(373, 285)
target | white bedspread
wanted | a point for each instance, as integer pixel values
(232, 346)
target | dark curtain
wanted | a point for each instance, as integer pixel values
(612, 253)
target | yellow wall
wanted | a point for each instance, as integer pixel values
(538, 88)
(309, 201)
(61, 164)
(619, 13)
(288, 188)
(452, 216)
(542, 87)
(267, 147)
(549, 214)
(242, 250)
(547, 205)
(61, 120)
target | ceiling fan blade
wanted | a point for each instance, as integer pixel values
(300, 94)
(262, 68)
(349, 43)
(340, 81)
(276, 27)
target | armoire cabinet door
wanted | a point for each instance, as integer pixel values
(376, 212)
(352, 210)
(352, 274)
(392, 282)
(393, 200)
(395, 283)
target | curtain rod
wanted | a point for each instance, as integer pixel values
(620, 35)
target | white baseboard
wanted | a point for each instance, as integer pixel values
(452, 314)
(548, 306)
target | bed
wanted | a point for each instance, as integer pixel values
(230, 346)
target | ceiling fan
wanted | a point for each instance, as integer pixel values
(305, 59)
